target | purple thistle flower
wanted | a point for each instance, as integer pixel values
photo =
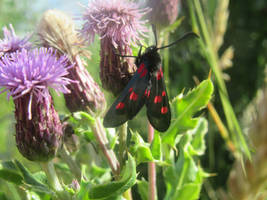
(117, 20)
(26, 76)
(33, 72)
(119, 25)
(11, 42)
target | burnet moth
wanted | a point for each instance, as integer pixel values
(147, 86)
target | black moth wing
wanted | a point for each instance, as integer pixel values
(130, 101)
(158, 108)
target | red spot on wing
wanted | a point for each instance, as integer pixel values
(143, 73)
(147, 93)
(159, 74)
(163, 93)
(120, 105)
(157, 99)
(140, 69)
(131, 89)
(133, 96)
(164, 110)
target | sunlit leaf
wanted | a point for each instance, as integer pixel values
(29, 179)
(198, 141)
(156, 147)
(9, 172)
(143, 189)
(185, 107)
(114, 189)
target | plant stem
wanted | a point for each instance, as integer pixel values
(151, 169)
(102, 140)
(221, 127)
(50, 172)
(122, 142)
(75, 169)
(122, 151)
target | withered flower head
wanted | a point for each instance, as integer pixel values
(57, 30)
(119, 25)
(26, 76)
(164, 12)
(11, 42)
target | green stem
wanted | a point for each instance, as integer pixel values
(122, 143)
(75, 169)
(52, 178)
(102, 140)
(49, 169)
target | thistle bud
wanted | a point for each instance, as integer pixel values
(115, 72)
(57, 30)
(164, 12)
(119, 25)
(37, 138)
(26, 76)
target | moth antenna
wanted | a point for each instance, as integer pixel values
(185, 36)
(155, 33)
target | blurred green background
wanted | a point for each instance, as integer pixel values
(246, 32)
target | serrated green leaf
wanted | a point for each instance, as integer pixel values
(9, 172)
(88, 135)
(186, 107)
(140, 149)
(183, 172)
(41, 177)
(84, 190)
(143, 154)
(143, 189)
(83, 116)
(29, 179)
(116, 188)
(198, 141)
(189, 191)
(97, 171)
(156, 147)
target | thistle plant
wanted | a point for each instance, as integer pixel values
(110, 171)
(119, 25)
(85, 94)
(26, 76)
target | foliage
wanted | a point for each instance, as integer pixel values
(180, 154)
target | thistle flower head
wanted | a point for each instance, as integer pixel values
(117, 20)
(56, 29)
(11, 42)
(33, 72)
(119, 25)
(164, 12)
(26, 76)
